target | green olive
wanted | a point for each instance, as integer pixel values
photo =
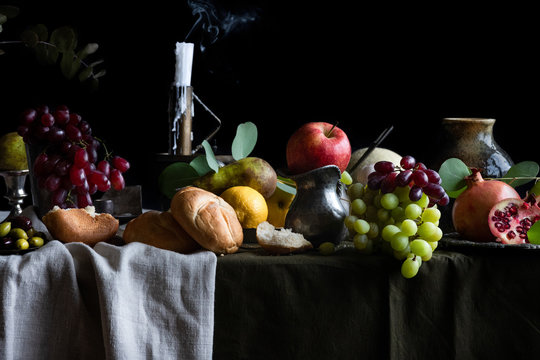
(5, 228)
(18, 233)
(36, 241)
(22, 244)
(31, 232)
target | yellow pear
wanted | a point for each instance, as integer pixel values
(278, 206)
(12, 152)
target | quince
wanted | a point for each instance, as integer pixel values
(361, 173)
(278, 206)
(12, 152)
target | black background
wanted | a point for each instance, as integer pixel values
(283, 64)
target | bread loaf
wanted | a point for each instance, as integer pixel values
(161, 230)
(209, 220)
(80, 225)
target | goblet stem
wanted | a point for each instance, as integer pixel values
(15, 193)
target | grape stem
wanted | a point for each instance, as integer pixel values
(108, 154)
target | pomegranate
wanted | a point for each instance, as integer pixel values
(472, 207)
(510, 219)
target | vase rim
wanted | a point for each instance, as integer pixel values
(469, 119)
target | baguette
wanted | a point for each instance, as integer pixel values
(209, 219)
(161, 230)
(80, 225)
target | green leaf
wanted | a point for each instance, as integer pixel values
(210, 157)
(3, 18)
(534, 233)
(64, 39)
(455, 194)
(9, 11)
(175, 176)
(40, 30)
(99, 74)
(526, 169)
(85, 73)
(69, 64)
(200, 165)
(286, 187)
(30, 38)
(87, 50)
(244, 141)
(453, 172)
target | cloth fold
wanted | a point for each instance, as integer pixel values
(71, 301)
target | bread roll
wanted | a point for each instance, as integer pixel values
(209, 220)
(280, 241)
(80, 225)
(161, 230)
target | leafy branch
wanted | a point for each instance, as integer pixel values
(453, 174)
(60, 47)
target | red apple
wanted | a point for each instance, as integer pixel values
(317, 144)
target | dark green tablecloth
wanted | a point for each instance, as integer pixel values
(464, 304)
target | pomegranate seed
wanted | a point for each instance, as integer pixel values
(511, 235)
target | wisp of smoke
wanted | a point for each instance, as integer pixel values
(217, 23)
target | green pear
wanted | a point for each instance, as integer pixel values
(251, 171)
(12, 152)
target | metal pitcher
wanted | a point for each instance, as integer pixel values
(318, 210)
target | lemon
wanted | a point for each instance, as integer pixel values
(249, 205)
(12, 152)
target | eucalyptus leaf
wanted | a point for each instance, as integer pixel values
(3, 18)
(244, 141)
(87, 50)
(9, 11)
(200, 165)
(534, 233)
(453, 172)
(210, 157)
(41, 31)
(0, 32)
(525, 169)
(455, 194)
(286, 187)
(175, 176)
(99, 74)
(64, 39)
(85, 73)
(69, 65)
(30, 38)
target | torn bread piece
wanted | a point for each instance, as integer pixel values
(281, 241)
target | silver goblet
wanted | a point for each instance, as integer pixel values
(15, 180)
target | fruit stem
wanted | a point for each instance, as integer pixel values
(332, 129)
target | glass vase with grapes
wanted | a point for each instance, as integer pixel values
(66, 169)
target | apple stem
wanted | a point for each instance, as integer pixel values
(332, 129)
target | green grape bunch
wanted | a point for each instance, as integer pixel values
(397, 213)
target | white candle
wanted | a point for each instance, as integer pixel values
(184, 62)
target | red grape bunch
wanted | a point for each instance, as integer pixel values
(416, 176)
(69, 167)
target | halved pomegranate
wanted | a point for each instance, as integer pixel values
(510, 219)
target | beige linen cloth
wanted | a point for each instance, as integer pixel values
(108, 302)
